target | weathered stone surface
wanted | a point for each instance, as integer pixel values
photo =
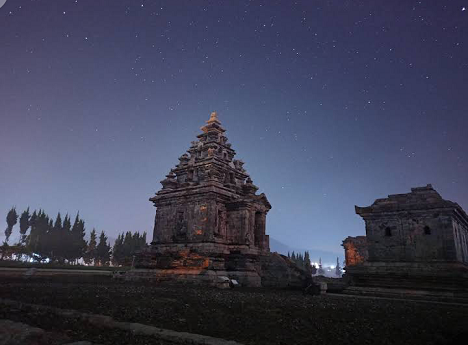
(416, 240)
(355, 250)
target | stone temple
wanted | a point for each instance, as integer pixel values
(416, 241)
(210, 222)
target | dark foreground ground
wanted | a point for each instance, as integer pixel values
(250, 316)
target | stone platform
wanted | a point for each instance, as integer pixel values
(199, 263)
(206, 264)
(435, 281)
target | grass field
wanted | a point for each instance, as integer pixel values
(249, 316)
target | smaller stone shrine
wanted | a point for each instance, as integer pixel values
(416, 242)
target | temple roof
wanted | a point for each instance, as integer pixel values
(420, 198)
(210, 162)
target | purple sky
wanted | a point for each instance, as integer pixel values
(330, 104)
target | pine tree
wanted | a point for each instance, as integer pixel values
(38, 240)
(338, 268)
(11, 219)
(32, 237)
(301, 260)
(24, 226)
(103, 250)
(66, 239)
(49, 242)
(320, 271)
(55, 236)
(126, 246)
(117, 250)
(90, 254)
(78, 234)
(143, 243)
(136, 242)
(307, 264)
(73, 251)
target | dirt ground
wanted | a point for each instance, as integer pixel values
(249, 316)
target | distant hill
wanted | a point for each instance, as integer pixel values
(328, 258)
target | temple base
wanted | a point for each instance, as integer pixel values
(442, 281)
(207, 264)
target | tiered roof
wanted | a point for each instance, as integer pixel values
(210, 160)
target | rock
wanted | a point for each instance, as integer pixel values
(30, 272)
(223, 283)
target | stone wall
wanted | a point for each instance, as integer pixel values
(356, 251)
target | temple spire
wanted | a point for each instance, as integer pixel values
(213, 124)
(213, 118)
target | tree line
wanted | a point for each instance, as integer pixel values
(60, 240)
(303, 261)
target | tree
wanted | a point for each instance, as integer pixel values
(118, 250)
(103, 250)
(55, 236)
(31, 238)
(65, 237)
(320, 271)
(126, 246)
(300, 260)
(78, 243)
(90, 254)
(307, 263)
(11, 219)
(338, 271)
(143, 243)
(24, 226)
(38, 242)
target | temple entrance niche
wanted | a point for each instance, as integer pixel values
(180, 226)
(259, 228)
(220, 229)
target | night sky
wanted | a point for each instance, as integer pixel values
(331, 104)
